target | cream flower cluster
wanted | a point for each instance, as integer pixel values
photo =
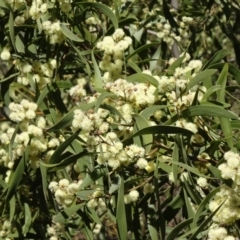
(77, 92)
(187, 125)
(231, 169)
(113, 47)
(42, 72)
(23, 110)
(53, 31)
(5, 54)
(5, 229)
(219, 233)
(64, 191)
(165, 33)
(132, 196)
(54, 230)
(90, 120)
(37, 9)
(230, 210)
(112, 152)
(139, 94)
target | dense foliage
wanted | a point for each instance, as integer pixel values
(119, 119)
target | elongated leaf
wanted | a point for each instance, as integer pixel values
(97, 78)
(12, 204)
(67, 213)
(178, 229)
(155, 59)
(98, 172)
(175, 64)
(200, 77)
(65, 162)
(222, 80)
(224, 122)
(216, 58)
(101, 98)
(142, 48)
(11, 29)
(205, 223)
(69, 34)
(27, 219)
(15, 179)
(104, 9)
(149, 111)
(121, 213)
(9, 77)
(134, 66)
(43, 171)
(142, 123)
(142, 78)
(153, 232)
(60, 149)
(203, 204)
(175, 157)
(188, 191)
(10, 147)
(112, 110)
(210, 91)
(214, 111)
(66, 120)
(160, 130)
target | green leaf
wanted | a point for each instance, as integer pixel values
(204, 110)
(134, 66)
(67, 161)
(175, 64)
(28, 219)
(121, 213)
(15, 179)
(19, 44)
(215, 171)
(98, 172)
(112, 110)
(115, 184)
(205, 223)
(178, 229)
(142, 48)
(101, 98)
(97, 78)
(222, 80)
(69, 34)
(155, 59)
(153, 232)
(12, 205)
(200, 77)
(11, 29)
(60, 149)
(216, 58)
(142, 78)
(67, 213)
(210, 91)
(175, 156)
(203, 205)
(224, 122)
(188, 191)
(10, 146)
(43, 171)
(142, 123)
(149, 111)
(104, 9)
(233, 70)
(160, 130)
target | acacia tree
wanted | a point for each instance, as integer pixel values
(116, 119)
